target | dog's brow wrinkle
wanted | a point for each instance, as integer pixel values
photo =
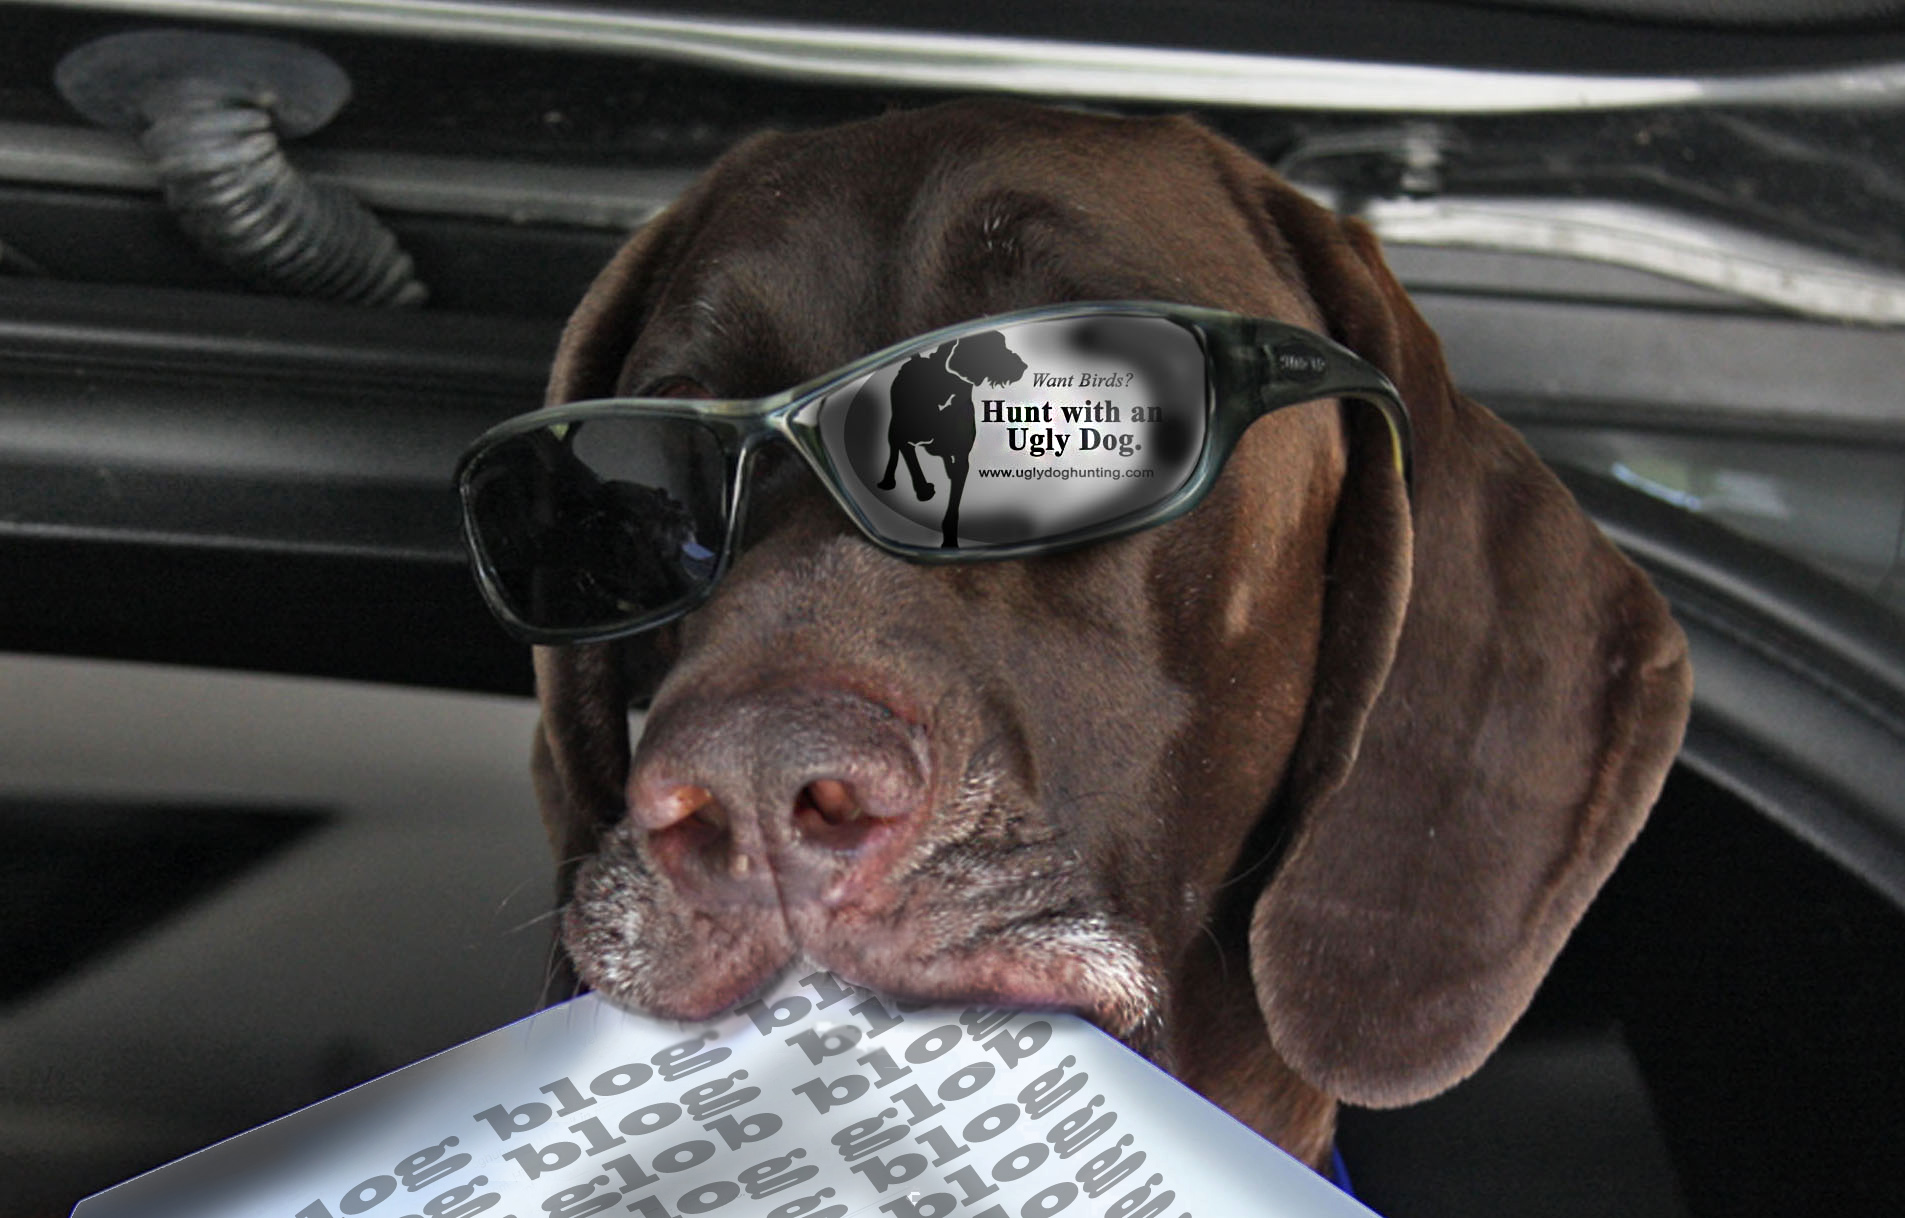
(1237, 612)
(711, 319)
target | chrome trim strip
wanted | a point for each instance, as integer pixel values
(1732, 260)
(1726, 259)
(1034, 67)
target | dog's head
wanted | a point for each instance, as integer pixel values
(1300, 793)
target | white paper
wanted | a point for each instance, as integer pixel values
(822, 1101)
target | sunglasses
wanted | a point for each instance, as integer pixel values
(1011, 436)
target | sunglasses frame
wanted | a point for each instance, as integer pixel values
(1255, 366)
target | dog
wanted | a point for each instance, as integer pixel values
(1298, 794)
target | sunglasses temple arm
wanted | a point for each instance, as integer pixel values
(1270, 366)
(1389, 404)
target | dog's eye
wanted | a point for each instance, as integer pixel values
(674, 387)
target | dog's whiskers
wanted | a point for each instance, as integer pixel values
(515, 891)
(543, 917)
(553, 967)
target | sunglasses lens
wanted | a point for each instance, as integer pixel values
(1040, 431)
(599, 523)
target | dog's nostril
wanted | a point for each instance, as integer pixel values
(661, 809)
(833, 800)
(690, 829)
(828, 813)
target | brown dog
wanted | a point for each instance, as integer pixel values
(1299, 794)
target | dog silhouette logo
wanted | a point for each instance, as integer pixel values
(932, 408)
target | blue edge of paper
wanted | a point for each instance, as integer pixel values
(1339, 1172)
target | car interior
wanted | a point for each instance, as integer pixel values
(266, 825)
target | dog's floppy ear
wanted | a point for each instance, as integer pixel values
(1498, 696)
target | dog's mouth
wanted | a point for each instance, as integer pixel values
(998, 915)
(1087, 970)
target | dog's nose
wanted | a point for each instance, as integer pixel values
(785, 794)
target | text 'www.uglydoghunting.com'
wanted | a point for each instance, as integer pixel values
(1041, 472)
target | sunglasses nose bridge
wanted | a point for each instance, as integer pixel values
(746, 458)
(748, 454)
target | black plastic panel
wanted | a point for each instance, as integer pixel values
(1799, 683)
(124, 400)
(250, 483)
(79, 879)
(1554, 1125)
(1761, 992)
(404, 621)
(1719, 1035)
